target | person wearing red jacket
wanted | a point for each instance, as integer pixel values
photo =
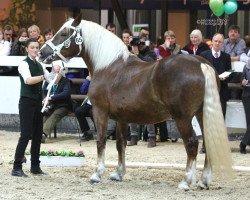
(169, 47)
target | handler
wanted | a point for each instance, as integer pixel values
(30, 105)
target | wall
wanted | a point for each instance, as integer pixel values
(50, 17)
(178, 22)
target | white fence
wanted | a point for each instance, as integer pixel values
(76, 62)
(10, 85)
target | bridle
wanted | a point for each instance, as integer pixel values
(66, 44)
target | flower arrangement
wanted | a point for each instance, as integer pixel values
(52, 152)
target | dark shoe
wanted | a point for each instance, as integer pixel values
(243, 148)
(151, 142)
(133, 140)
(87, 136)
(37, 170)
(18, 172)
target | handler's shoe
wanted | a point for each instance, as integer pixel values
(87, 136)
(151, 142)
(18, 172)
(37, 171)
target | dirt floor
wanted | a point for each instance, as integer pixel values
(140, 183)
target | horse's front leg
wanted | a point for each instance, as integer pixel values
(191, 146)
(101, 120)
(121, 143)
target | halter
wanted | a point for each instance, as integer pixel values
(78, 40)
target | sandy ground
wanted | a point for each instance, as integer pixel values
(139, 183)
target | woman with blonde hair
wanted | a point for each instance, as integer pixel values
(196, 44)
(34, 32)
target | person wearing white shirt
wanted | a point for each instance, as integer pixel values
(30, 105)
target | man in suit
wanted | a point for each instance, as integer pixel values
(221, 62)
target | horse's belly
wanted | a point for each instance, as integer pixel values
(140, 115)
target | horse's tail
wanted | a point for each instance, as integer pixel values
(215, 133)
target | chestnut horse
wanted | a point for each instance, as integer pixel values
(129, 90)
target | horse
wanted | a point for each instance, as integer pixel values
(129, 90)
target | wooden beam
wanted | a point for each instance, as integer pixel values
(119, 14)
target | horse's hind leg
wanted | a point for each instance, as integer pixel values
(121, 143)
(191, 146)
(101, 120)
(206, 176)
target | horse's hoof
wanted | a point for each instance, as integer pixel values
(202, 186)
(115, 177)
(95, 179)
(183, 186)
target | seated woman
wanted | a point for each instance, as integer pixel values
(169, 47)
(59, 98)
(196, 44)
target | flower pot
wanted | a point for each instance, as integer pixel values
(62, 161)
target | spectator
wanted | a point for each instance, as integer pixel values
(143, 51)
(5, 48)
(144, 32)
(169, 47)
(246, 103)
(34, 32)
(18, 48)
(208, 42)
(48, 34)
(196, 46)
(8, 33)
(244, 57)
(126, 37)
(111, 27)
(221, 62)
(5, 45)
(30, 104)
(83, 111)
(59, 99)
(234, 45)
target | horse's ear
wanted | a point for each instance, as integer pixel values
(77, 20)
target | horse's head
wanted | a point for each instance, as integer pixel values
(65, 44)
